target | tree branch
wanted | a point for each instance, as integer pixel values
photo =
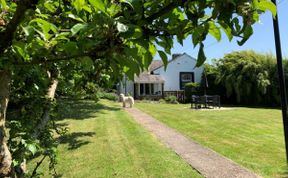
(56, 59)
(98, 52)
(164, 10)
(37, 166)
(161, 12)
(6, 37)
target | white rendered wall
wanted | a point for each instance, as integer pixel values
(183, 63)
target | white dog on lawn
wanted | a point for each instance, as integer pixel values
(126, 99)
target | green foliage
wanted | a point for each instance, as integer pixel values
(201, 56)
(171, 99)
(191, 88)
(108, 96)
(81, 27)
(92, 42)
(27, 105)
(146, 100)
(244, 77)
(162, 101)
(164, 58)
(91, 88)
(81, 82)
(192, 85)
(215, 31)
(266, 5)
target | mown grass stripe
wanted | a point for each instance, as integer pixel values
(104, 141)
(253, 137)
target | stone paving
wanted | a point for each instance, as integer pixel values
(206, 161)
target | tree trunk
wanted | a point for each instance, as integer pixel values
(5, 155)
(50, 95)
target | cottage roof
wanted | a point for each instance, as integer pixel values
(155, 64)
(148, 78)
(174, 57)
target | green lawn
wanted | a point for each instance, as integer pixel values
(252, 137)
(104, 141)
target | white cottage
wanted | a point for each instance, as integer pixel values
(154, 82)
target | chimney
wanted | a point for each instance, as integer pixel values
(175, 55)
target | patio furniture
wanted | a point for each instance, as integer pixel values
(206, 101)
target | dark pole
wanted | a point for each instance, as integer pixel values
(281, 80)
(205, 82)
(125, 81)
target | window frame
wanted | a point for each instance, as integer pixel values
(182, 83)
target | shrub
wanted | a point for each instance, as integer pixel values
(94, 97)
(244, 77)
(145, 100)
(171, 99)
(91, 88)
(108, 96)
(191, 88)
(162, 101)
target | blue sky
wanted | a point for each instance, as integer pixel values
(261, 41)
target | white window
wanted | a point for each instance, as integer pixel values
(186, 77)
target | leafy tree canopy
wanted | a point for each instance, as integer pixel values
(245, 77)
(123, 32)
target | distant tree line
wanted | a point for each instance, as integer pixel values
(244, 77)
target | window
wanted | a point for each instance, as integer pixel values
(141, 89)
(147, 89)
(186, 77)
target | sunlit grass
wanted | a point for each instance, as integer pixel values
(253, 137)
(104, 141)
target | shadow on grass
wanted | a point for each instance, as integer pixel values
(261, 107)
(251, 106)
(284, 173)
(74, 140)
(61, 125)
(81, 109)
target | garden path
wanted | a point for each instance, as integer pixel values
(206, 161)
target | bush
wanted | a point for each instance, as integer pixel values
(145, 100)
(171, 99)
(108, 96)
(244, 77)
(94, 97)
(191, 88)
(91, 88)
(162, 101)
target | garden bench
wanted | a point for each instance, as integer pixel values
(206, 100)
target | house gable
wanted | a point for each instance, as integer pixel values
(172, 60)
(171, 78)
(181, 64)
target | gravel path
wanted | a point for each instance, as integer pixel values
(204, 160)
